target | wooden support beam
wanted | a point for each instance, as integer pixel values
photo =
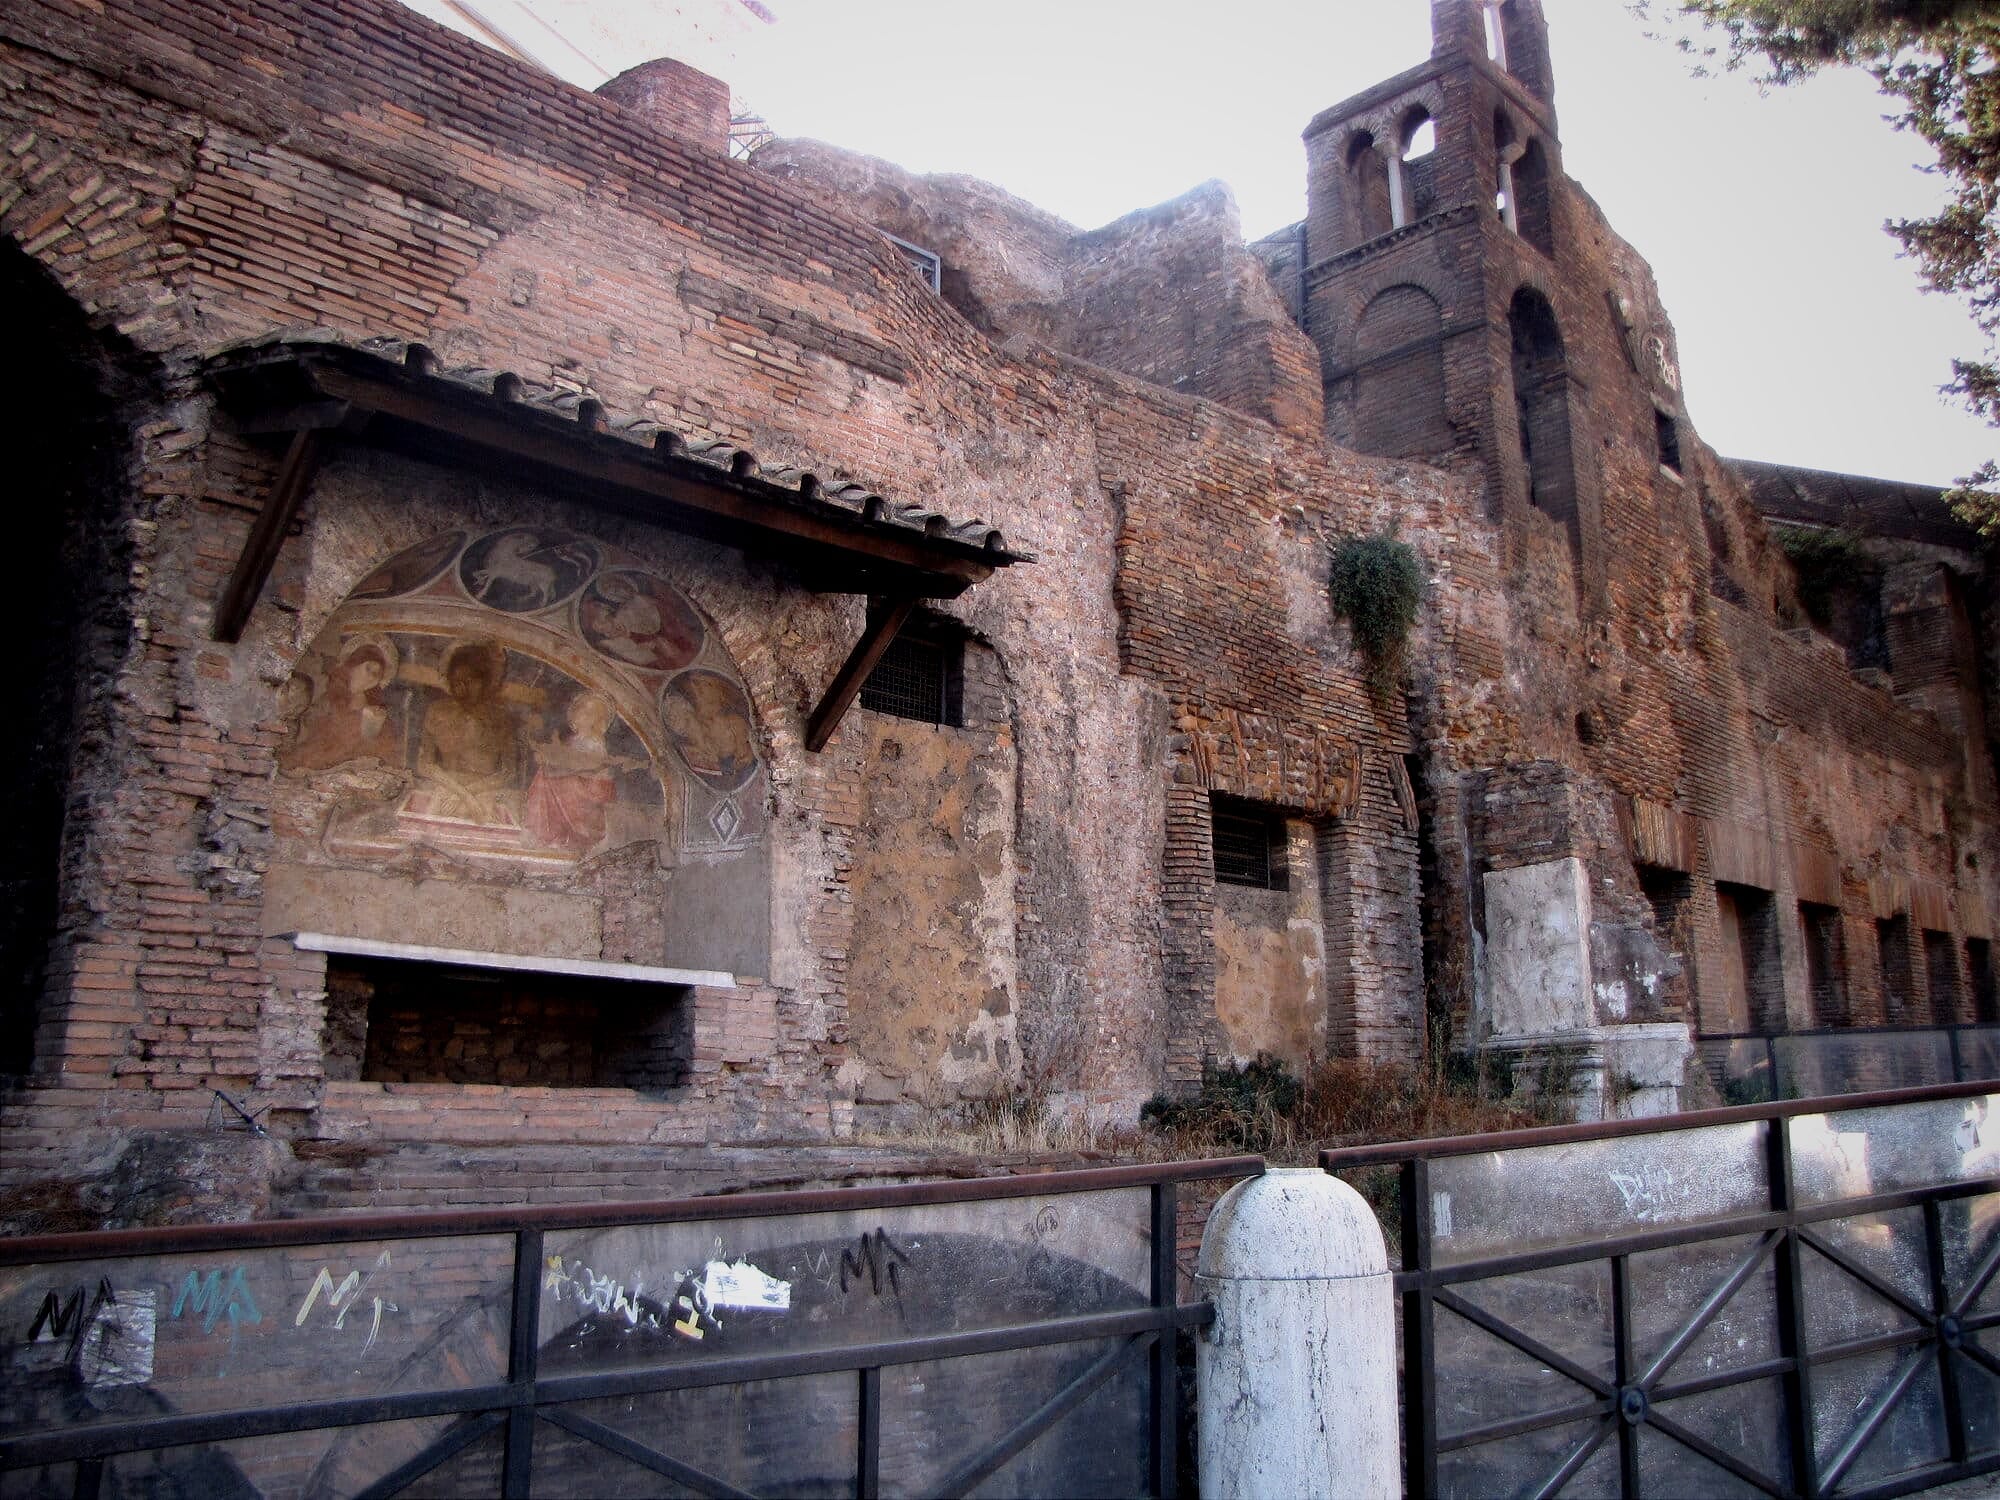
(683, 494)
(840, 693)
(267, 534)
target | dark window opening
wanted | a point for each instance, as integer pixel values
(1941, 977)
(1250, 846)
(1367, 189)
(921, 676)
(1826, 965)
(397, 1021)
(1667, 438)
(1541, 404)
(65, 423)
(1892, 947)
(1534, 217)
(1979, 967)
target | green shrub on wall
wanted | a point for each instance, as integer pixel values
(1377, 584)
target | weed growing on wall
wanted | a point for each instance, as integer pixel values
(1377, 585)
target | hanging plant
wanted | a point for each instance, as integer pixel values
(1377, 584)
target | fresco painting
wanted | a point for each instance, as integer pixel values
(526, 569)
(411, 568)
(517, 709)
(634, 618)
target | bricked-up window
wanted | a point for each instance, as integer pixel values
(1667, 440)
(1753, 977)
(921, 676)
(1250, 845)
(1979, 968)
(1941, 976)
(1892, 947)
(397, 1021)
(1826, 964)
(1399, 374)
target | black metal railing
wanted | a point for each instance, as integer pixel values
(1014, 1333)
(1784, 1299)
(1757, 1067)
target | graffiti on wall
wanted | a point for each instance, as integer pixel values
(524, 697)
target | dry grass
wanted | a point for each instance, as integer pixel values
(1342, 1102)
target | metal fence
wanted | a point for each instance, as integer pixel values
(1784, 1299)
(1014, 1335)
(1751, 1068)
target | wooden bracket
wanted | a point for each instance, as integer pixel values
(840, 693)
(267, 533)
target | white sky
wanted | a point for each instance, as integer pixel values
(1803, 337)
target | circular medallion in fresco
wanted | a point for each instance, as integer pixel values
(708, 721)
(410, 569)
(526, 569)
(640, 620)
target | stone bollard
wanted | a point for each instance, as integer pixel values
(1296, 1379)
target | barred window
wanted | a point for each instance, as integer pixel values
(1250, 847)
(920, 676)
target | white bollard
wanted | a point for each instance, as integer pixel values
(1296, 1379)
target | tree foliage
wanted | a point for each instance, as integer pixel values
(1940, 61)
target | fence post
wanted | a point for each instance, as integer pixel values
(1296, 1378)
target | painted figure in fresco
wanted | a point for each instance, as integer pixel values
(636, 619)
(469, 753)
(576, 779)
(351, 721)
(708, 719)
(523, 570)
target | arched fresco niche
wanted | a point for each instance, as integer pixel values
(525, 741)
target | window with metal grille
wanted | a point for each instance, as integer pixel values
(919, 677)
(925, 263)
(1249, 847)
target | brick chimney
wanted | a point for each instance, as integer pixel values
(681, 101)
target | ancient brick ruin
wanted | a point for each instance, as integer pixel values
(558, 660)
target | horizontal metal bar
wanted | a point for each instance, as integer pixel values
(736, 1370)
(98, 1440)
(1494, 1432)
(1768, 1369)
(346, 1228)
(1340, 1159)
(1837, 1031)
(1874, 1343)
(1685, 1234)
(32, 1449)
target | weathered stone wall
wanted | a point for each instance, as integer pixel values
(1603, 678)
(1009, 896)
(1645, 651)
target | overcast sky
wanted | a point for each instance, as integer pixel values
(1803, 338)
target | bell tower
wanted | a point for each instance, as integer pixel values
(1435, 229)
